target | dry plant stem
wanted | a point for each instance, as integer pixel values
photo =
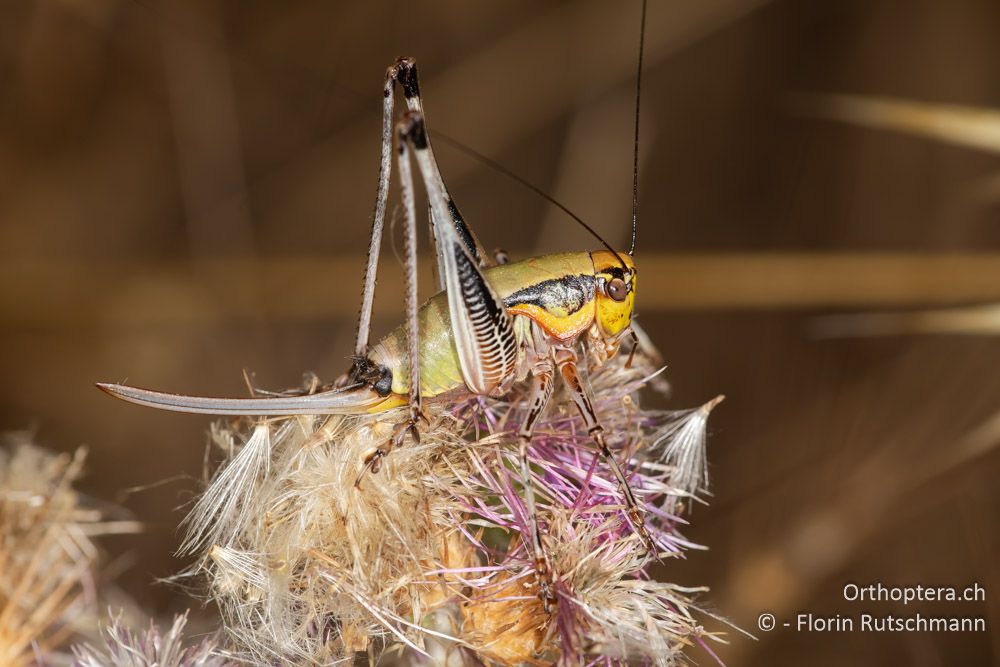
(53, 294)
(967, 126)
(431, 557)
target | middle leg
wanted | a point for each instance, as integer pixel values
(566, 361)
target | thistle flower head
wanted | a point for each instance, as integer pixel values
(47, 553)
(311, 558)
(150, 648)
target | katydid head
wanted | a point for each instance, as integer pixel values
(614, 292)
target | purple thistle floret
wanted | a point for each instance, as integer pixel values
(662, 454)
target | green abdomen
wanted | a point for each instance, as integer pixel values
(439, 365)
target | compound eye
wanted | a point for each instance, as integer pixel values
(617, 289)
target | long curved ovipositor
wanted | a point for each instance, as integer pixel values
(347, 400)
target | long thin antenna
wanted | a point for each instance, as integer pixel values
(635, 145)
(499, 168)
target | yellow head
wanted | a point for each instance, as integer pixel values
(615, 291)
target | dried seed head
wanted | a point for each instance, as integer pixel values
(124, 648)
(47, 553)
(311, 559)
(683, 442)
(506, 623)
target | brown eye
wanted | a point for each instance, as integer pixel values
(617, 289)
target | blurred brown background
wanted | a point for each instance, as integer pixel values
(185, 191)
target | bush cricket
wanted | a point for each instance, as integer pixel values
(493, 322)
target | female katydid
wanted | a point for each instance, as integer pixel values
(491, 325)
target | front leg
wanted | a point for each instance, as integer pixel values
(566, 360)
(541, 391)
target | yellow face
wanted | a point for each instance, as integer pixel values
(615, 291)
